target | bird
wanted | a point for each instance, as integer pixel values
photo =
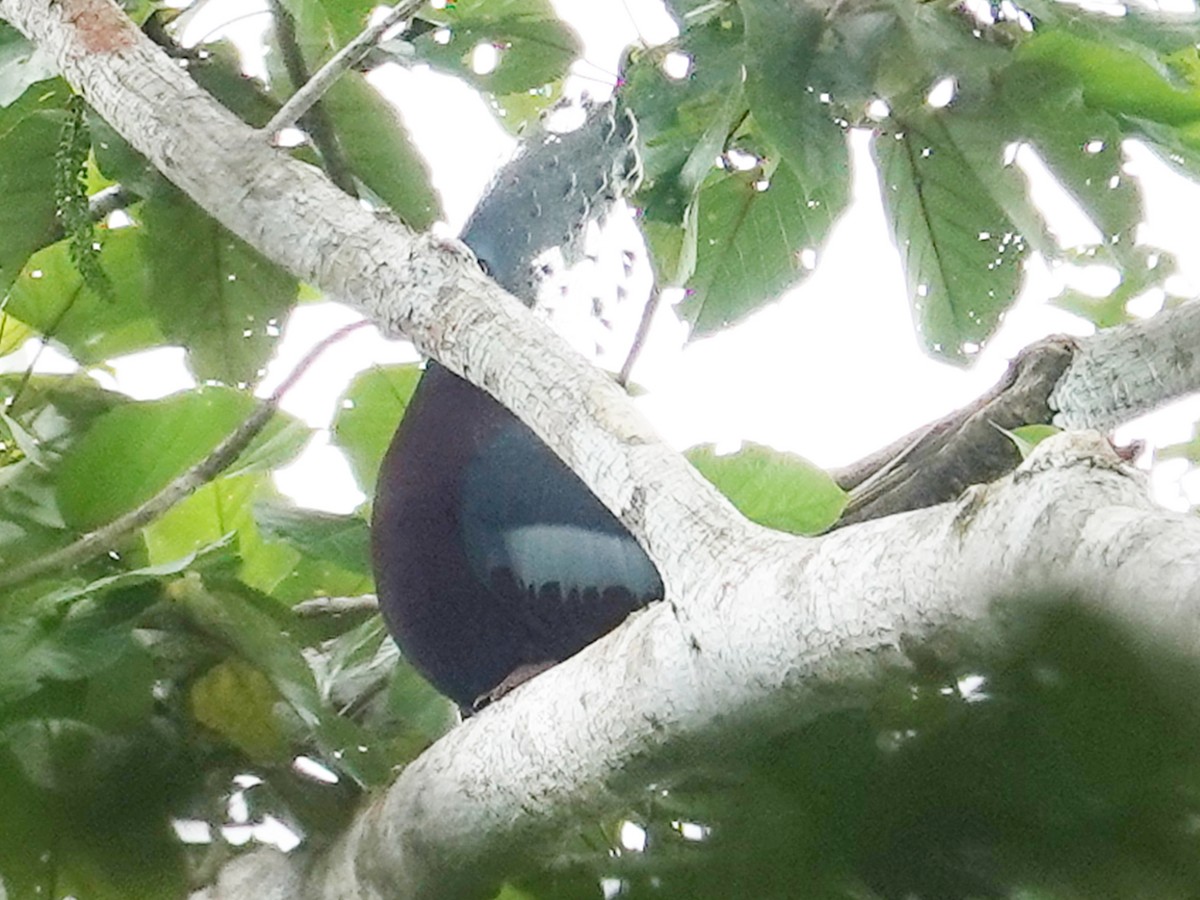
(492, 559)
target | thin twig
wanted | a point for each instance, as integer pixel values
(639, 339)
(312, 91)
(335, 606)
(99, 541)
(316, 121)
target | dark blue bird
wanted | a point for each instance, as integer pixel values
(492, 559)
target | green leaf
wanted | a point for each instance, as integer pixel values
(51, 297)
(132, 452)
(753, 231)
(783, 37)
(53, 410)
(257, 639)
(211, 292)
(342, 540)
(238, 702)
(534, 46)
(380, 151)
(226, 508)
(70, 641)
(684, 124)
(1026, 437)
(1115, 79)
(1189, 450)
(1081, 146)
(370, 411)
(27, 215)
(962, 254)
(775, 489)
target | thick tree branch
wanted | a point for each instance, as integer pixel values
(1094, 382)
(796, 632)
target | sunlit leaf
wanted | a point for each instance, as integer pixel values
(371, 409)
(779, 490)
(132, 452)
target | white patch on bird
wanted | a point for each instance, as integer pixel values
(541, 554)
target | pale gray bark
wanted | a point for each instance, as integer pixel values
(1123, 372)
(753, 619)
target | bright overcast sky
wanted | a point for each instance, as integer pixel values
(831, 371)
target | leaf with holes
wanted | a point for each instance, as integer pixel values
(962, 254)
(751, 237)
(211, 292)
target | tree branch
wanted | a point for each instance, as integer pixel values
(312, 91)
(315, 121)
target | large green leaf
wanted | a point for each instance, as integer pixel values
(962, 254)
(211, 292)
(51, 297)
(370, 410)
(775, 489)
(132, 452)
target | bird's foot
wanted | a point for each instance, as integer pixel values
(511, 682)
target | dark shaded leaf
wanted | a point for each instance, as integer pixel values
(211, 292)
(962, 255)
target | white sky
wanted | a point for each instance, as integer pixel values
(832, 371)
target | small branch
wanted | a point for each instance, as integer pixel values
(106, 202)
(99, 541)
(639, 339)
(312, 91)
(938, 461)
(316, 121)
(319, 607)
